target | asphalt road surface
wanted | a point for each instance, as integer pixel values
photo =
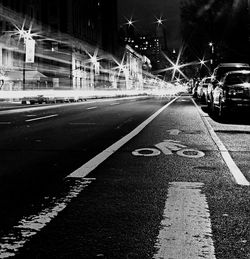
(124, 178)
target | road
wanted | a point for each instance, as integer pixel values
(124, 178)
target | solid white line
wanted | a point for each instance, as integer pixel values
(114, 104)
(41, 118)
(91, 108)
(85, 169)
(233, 168)
(186, 227)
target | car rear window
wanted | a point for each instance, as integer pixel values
(223, 70)
(208, 80)
(238, 79)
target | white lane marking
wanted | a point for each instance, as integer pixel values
(174, 132)
(31, 115)
(186, 227)
(5, 122)
(169, 145)
(91, 108)
(233, 168)
(30, 225)
(190, 153)
(42, 118)
(85, 169)
(114, 104)
(146, 152)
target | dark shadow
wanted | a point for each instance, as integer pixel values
(235, 116)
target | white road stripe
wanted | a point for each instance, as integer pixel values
(42, 118)
(186, 227)
(30, 225)
(114, 104)
(85, 169)
(31, 115)
(91, 108)
(233, 168)
(5, 122)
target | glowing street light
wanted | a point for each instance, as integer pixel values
(211, 44)
(130, 22)
(29, 42)
(159, 21)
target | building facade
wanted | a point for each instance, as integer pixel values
(67, 34)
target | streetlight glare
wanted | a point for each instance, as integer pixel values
(159, 20)
(93, 59)
(130, 22)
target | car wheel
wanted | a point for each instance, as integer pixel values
(203, 99)
(221, 110)
(212, 106)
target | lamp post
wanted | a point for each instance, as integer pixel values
(211, 44)
(29, 50)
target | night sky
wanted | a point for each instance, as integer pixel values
(144, 13)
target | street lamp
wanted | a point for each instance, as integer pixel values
(29, 48)
(211, 44)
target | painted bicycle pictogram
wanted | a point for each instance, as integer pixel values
(169, 147)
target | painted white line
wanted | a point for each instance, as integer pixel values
(91, 108)
(186, 227)
(31, 115)
(233, 168)
(174, 132)
(5, 122)
(146, 152)
(114, 104)
(42, 118)
(30, 225)
(85, 169)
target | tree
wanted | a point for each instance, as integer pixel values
(223, 22)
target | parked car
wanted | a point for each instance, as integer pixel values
(39, 99)
(195, 87)
(202, 89)
(218, 73)
(232, 92)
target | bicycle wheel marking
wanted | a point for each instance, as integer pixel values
(190, 153)
(169, 147)
(144, 152)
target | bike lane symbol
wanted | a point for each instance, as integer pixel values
(167, 147)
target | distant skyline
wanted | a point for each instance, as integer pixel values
(145, 12)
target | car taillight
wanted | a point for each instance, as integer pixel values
(234, 92)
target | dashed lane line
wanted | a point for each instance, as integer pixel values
(91, 108)
(186, 227)
(5, 122)
(42, 118)
(233, 168)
